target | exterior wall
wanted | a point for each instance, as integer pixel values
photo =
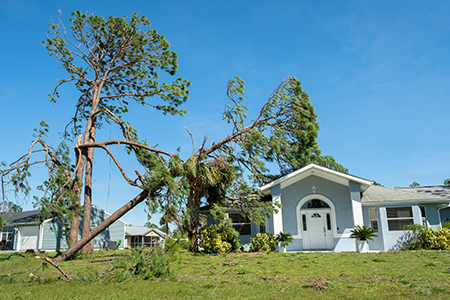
(432, 214)
(338, 194)
(53, 239)
(378, 242)
(115, 232)
(445, 214)
(386, 239)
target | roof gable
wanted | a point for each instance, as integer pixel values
(313, 169)
(142, 231)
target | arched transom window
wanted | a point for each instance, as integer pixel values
(315, 203)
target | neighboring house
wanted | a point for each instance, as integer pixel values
(22, 231)
(321, 206)
(140, 236)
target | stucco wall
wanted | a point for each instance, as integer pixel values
(336, 193)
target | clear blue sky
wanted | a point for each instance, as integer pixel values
(377, 73)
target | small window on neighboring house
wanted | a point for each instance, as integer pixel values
(373, 219)
(424, 217)
(399, 217)
(241, 223)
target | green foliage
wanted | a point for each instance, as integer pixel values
(328, 162)
(284, 239)
(219, 238)
(262, 242)
(363, 233)
(145, 263)
(445, 224)
(124, 54)
(447, 182)
(438, 239)
(418, 237)
(414, 184)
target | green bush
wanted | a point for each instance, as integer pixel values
(418, 237)
(262, 242)
(439, 239)
(446, 224)
(219, 238)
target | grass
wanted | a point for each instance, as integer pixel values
(395, 274)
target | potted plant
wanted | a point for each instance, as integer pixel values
(363, 235)
(283, 239)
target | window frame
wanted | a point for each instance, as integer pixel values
(373, 220)
(9, 234)
(391, 225)
(243, 222)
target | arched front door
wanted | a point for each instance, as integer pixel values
(316, 225)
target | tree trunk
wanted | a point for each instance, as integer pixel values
(193, 206)
(105, 224)
(76, 188)
(88, 191)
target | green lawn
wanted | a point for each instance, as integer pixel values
(395, 275)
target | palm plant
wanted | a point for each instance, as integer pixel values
(363, 233)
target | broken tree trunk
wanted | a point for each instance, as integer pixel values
(102, 226)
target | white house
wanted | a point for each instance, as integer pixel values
(321, 206)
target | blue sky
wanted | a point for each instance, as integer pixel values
(377, 73)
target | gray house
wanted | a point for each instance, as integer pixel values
(321, 206)
(22, 232)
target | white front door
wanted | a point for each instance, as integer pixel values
(317, 233)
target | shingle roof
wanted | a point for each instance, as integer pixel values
(23, 217)
(376, 194)
(141, 231)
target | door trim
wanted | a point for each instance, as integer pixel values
(324, 199)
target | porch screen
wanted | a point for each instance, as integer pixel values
(398, 217)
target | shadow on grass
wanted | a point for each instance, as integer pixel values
(11, 255)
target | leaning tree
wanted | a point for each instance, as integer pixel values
(111, 62)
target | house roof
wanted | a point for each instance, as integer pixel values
(141, 231)
(23, 217)
(380, 194)
(32, 217)
(313, 169)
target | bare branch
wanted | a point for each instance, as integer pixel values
(193, 142)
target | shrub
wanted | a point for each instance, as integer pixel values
(418, 237)
(262, 242)
(446, 224)
(414, 238)
(363, 233)
(438, 239)
(284, 239)
(219, 238)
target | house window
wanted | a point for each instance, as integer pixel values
(328, 222)
(399, 217)
(315, 203)
(262, 228)
(241, 223)
(304, 223)
(373, 219)
(7, 233)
